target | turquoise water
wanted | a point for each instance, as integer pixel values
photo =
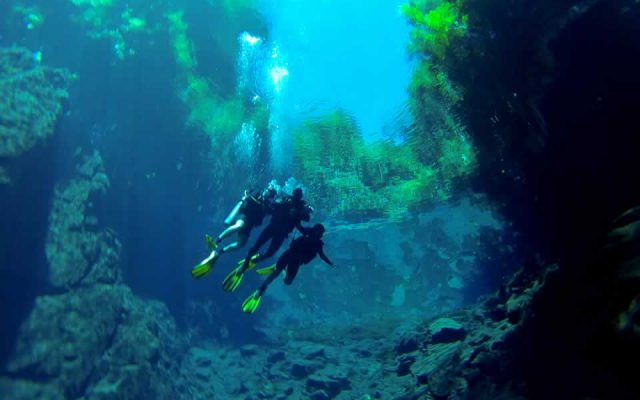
(469, 159)
(340, 55)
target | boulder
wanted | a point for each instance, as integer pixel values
(27, 390)
(319, 395)
(249, 350)
(404, 364)
(406, 344)
(446, 330)
(440, 357)
(276, 356)
(141, 359)
(313, 351)
(38, 92)
(66, 334)
(76, 251)
(330, 384)
(303, 368)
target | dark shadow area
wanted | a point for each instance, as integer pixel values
(564, 164)
(157, 170)
(554, 122)
(590, 177)
(24, 212)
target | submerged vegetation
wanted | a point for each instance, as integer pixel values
(121, 22)
(436, 24)
(383, 178)
(360, 179)
(220, 116)
(214, 106)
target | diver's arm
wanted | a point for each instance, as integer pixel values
(324, 257)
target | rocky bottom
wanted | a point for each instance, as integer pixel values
(133, 351)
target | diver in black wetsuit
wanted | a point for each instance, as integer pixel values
(247, 214)
(253, 208)
(286, 216)
(301, 251)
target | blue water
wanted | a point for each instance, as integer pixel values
(127, 103)
(131, 100)
(349, 55)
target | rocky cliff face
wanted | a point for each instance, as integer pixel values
(92, 338)
(33, 96)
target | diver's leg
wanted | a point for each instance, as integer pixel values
(280, 266)
(292, 271)
(238, 225)
(234, 213)
(243, 236)
(266, 234)
(275, 244)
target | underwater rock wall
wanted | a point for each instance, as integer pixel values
(92, 338)
(33, 101)
(77, 252)
(550, 106)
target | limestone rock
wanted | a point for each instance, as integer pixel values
(249, 350)
(28, 390)
(330, 384)
(34, 101)
(319, 395)
(66, 334)
(439, 357)
(446, 330)
(407, 343)
(302, 368)
(276, 357)
(404, 364)
(141, 359)
(313, 351)
(201, 371)
(77, 252)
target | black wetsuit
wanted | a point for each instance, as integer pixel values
(254, 210)
(302, 251)
(286, 216)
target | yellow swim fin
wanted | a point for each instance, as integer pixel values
(205, 266)
(232, 281)
(266, 270)
(211, 242)
(252, 302)
(252, 262)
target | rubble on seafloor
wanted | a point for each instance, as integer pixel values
(461, 355)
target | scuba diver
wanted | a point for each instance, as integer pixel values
(301, 251)
(286, 216)
(247, 214)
